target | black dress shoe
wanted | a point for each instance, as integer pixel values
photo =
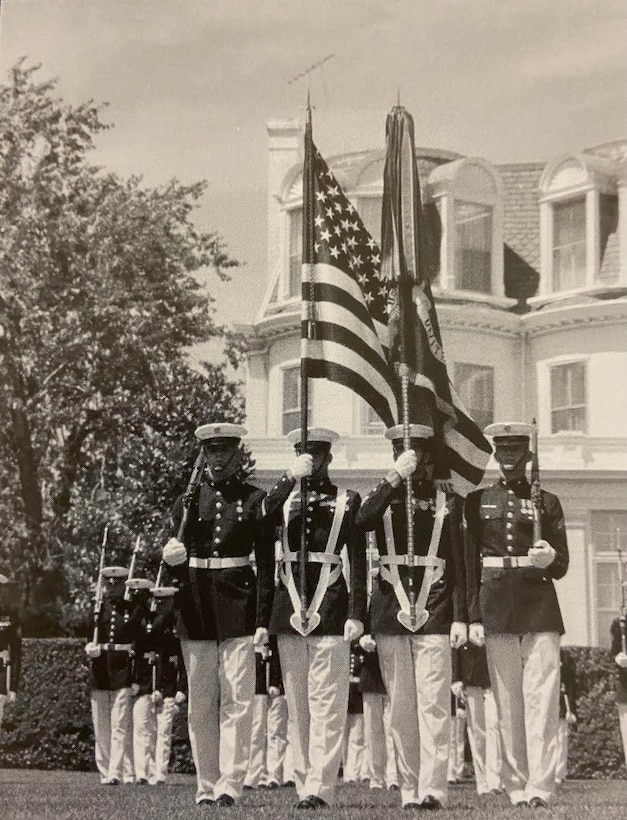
(272, 785)
(224, 800)
(538, 803)
(412, 806)
(289, 783)
(248, 788)
(113, 782)
(206, 801)
(521, 804)
(312, 801)
(141, 781)
(430, 803)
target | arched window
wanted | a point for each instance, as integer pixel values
(578, 225)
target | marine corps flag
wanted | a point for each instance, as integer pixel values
(416, 351)
(344, 319)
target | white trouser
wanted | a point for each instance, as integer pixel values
(277, 739)
(256, 773)
(375, 738)
(416, 670)
(353, 753)
(525, 676)
(221, 687)
(457, 742)
(622, 722)
(561, 751)
(144, 737)
(111, 712)
(165, 718)
(483, 736)
(3, 700)
(316, 678)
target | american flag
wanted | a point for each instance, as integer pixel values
(345, 302)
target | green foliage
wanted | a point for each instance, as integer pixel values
(595, 746)
(100, 299)
(49, 726)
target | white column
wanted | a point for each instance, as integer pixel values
(622, 230)
(593, 247)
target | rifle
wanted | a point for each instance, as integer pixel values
(131, 571)
(536, 492)
(153, 603)
(622, 620)
(194, 481)
(98, 601)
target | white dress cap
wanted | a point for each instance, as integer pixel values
(220, 430)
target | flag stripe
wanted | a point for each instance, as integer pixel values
(327, 368)
(331, 350)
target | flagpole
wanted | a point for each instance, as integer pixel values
(308, 251)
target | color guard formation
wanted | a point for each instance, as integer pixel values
(302, 658)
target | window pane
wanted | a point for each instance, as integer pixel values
(475, 386)
(569, 245)
(371, 423)
(609, 529)
(296, 251)
(473, 247)
(291, 388)
(568, 397)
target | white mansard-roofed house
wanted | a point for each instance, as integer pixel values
(531, 295)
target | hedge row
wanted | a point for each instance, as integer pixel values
(49, 726)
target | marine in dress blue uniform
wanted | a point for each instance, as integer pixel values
(315, 656)
(415, 659)
(513, 603)
(111, 678)
(223, 609)
(10, 642)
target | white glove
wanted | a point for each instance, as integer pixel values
(180, 698)
(261, 640)
(571, 718)
(541, 554)
(157, 698)
(367, 643)
(92, 650)
(134, 688)
(621, 660)
(11, 696)
(458, 634)
(476, 634)
(406, 463)
(273, 691)
(457, 688)
(353, 629)
(174, 552)
(301, 466)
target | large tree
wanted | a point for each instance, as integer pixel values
(98, 305)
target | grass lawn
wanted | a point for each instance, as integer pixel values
(34, 795)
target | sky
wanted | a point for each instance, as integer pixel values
(191, 84)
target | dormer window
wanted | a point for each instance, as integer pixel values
(468, 194)
(578, 225)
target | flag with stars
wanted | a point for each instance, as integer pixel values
(345, 303)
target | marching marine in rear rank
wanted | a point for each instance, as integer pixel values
(10, 642)
(415, 654)
(110, 653)
(170, 691)
(220, 606)
(314, 635)
(512, 602)
(146, 650)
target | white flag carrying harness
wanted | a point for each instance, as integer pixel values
(328, 558)
(434, 566)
